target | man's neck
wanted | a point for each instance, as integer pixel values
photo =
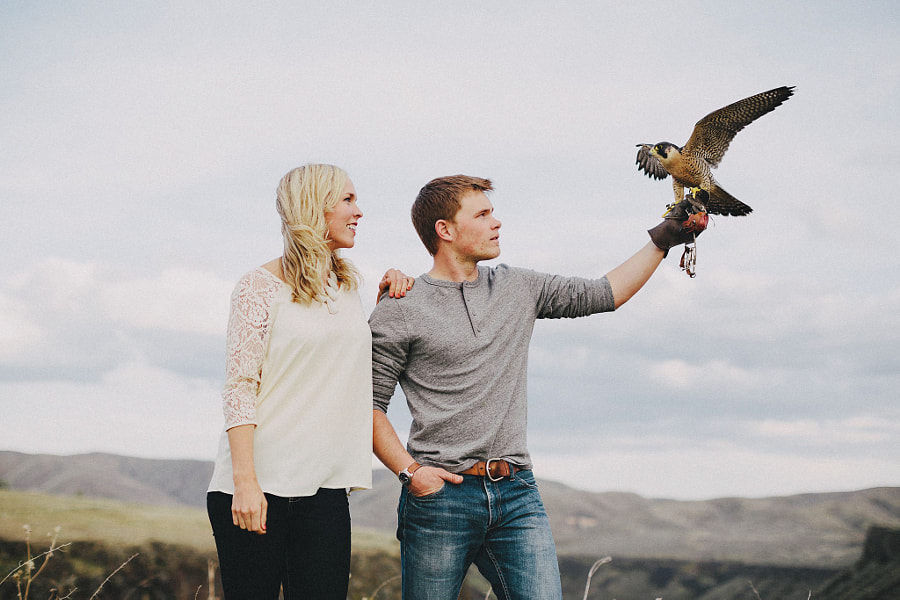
(447, 269)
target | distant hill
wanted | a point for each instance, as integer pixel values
(875, 576)
(819, 530)
(163, 482)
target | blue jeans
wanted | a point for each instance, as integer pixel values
(306, 550)
(501, 527)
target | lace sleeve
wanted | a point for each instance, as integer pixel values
(248, 332)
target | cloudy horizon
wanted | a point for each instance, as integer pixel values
(142, 144)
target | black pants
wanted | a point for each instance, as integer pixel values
(305, 550)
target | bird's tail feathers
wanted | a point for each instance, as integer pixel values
(722, 203)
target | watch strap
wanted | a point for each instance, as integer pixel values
(406, 474)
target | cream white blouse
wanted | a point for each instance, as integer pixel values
(303, 375)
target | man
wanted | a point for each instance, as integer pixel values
(458, 345)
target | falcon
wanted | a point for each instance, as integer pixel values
(691, 165)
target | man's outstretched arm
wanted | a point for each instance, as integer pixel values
(631, 275)
(626, 279)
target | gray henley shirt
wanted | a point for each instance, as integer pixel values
(459, 351)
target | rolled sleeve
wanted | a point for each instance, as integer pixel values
(571, 297)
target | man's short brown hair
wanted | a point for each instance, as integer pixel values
(439, 200)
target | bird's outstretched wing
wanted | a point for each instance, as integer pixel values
(714, 132)
(648, 164)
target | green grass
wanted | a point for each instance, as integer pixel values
(98, 520)
(170, 547)
(115, 523)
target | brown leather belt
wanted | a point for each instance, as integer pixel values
(494, 469)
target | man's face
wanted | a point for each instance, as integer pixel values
(476, 233)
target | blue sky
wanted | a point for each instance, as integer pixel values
(142, 143)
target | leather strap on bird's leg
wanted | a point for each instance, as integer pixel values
(682, 223)
(689, 259)
(695, 223)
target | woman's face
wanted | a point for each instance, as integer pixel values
(342, 221)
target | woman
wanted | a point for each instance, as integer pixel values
(298, 402)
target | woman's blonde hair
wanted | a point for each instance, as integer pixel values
(304, 195)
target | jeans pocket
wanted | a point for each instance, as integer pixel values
(526, 479)
(430, 496)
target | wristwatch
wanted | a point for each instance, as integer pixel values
(406, 475)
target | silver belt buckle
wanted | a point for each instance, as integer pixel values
(487, 469)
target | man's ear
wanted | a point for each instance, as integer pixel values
(442, 228)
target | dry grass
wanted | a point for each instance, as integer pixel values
(105, 521)
(116, 523)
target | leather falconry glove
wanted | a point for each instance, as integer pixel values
(680, 225)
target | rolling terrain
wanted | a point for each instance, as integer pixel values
(836, 545)
(817, 530)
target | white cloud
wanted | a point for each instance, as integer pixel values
(857, 430)
(692, 469)
(682, 375)
(134, 409)
(176, 299)
(66, 313)
(18, 333)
